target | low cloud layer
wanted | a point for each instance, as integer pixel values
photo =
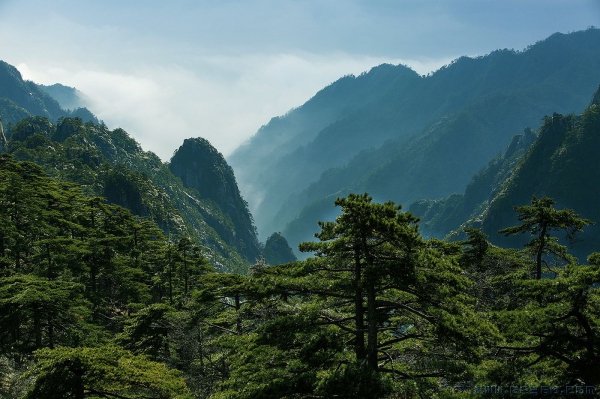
(225, 99)
(168, 71)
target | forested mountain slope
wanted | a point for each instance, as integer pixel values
(195, 196)
(111, 164)
(406, 137)
(441, 216)
(97, 300)
(21, 98)
(68, 97)
(561, 162)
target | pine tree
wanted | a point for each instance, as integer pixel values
(541, 218)
(376, 306)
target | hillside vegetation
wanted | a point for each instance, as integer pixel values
(96, 302)
(401, 136)
(557, 161)
(122, 276)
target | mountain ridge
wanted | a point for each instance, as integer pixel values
(109, 163)
(558, 161)
(200, 166)
(20, 98)
(491, 89)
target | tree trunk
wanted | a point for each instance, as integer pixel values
(359, 345)
(50, 332)
(371, 320)
(37, 326)
(370, 281)
(540, 251)
(49, 255)
(238, 322)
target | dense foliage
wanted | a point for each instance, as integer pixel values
(115, 276)
(96, 302)
(109, 163)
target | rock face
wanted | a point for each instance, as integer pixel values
(201, 167)
(2, 137)
(277, 250)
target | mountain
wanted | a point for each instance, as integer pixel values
(562, 164)
(407, 137)
(194, 196)
(67, 97)
(443, 216)
(559, 161)
(109, 163)
(292, 151)
(21, 98)
(277, 250)
(201, 167)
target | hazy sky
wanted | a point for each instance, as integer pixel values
(166, 71)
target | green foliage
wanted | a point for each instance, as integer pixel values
(147, 331)
(31, 126)
(72, 269)
(106, 371)
(35, 313)
(548, 325)
(109, 307)
(360, 318)
(13, 382)
(111, 164)
(552, 336)
(539, 219)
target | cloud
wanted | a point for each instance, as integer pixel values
(150, 77)
(224, 99)
(166, 71)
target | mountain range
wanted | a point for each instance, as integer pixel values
(444, 145)
(125, 276)
(406, 137)
(22, 98)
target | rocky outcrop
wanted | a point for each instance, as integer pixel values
(2, 137)
(201, 167)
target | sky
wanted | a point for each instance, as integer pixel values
(220, 69)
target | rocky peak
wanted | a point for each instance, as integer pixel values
(201, 167)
